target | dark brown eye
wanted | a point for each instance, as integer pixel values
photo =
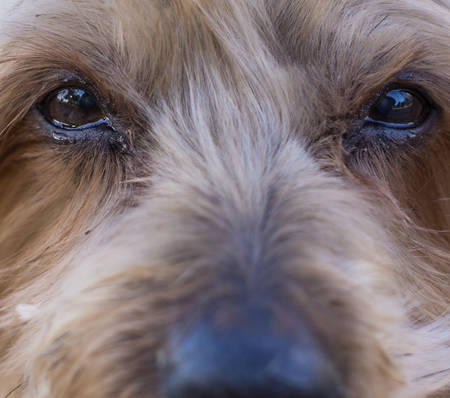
(72, 108)
(399, 109)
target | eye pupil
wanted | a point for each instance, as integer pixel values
(87, 101)
(72, 108)
(385, 105)
(398, 109)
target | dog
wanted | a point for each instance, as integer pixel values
(228, 199)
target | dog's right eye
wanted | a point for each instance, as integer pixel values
(72, 114)
(72, 108)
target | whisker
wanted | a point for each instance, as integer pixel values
(433, 374)
(137, 180)
(14, 390)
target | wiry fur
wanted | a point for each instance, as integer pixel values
(233, 167)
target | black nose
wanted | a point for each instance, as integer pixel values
(250, 362)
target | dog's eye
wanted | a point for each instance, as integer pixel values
(72, 108)
(401, 117)
(72, 114)
(401, 109)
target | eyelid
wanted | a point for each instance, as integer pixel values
(73, 83)
(411, 80)
(65, 78)
(101, 122)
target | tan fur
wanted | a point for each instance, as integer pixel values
(234, 113)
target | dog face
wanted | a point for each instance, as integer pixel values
(224, 198)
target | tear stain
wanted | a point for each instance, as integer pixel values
(63, 138)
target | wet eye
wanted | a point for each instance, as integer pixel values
(72, 108)
(399, 109)
(400, 118)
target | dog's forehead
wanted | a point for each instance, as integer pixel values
(354, 44)
(137, 29)
(136, 23)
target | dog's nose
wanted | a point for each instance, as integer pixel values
(250, 362)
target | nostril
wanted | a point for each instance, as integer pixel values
(250, 362)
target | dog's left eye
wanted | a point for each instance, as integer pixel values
(72, 108)
(402, 115)
(400, 109)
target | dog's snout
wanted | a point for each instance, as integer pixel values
(244, 362)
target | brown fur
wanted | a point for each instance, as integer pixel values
(235, 167)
